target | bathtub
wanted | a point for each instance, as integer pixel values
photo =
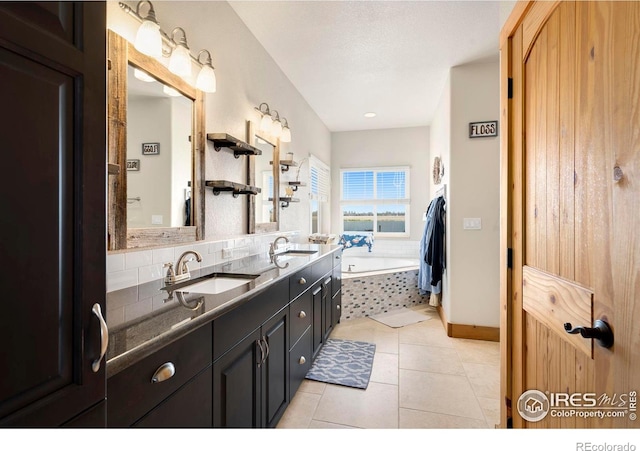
(365, 266)
(378, 284)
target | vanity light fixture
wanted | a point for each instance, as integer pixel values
(180, 60)
(276, 126)
(265, 120)
(206, 80)
(286, 132)
(148, 37)
(153, 41)
(271, 123)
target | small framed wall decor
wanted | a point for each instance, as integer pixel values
(483, 129)
(133, 165)
(150, 148)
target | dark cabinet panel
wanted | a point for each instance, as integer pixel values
(95, 417)
(275, 369)
(317, 330)
(327, 309)
(189, 407)
(300, 282)
(54, 149)
(300, 361)
(336, 306)
(236, 385)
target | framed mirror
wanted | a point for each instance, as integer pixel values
(264, 172)
(156, 152)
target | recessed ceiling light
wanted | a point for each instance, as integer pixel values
(370, 114)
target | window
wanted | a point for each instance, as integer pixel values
(375, 200)
(319, 176)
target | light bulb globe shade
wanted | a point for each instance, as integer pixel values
(286, 135)
(170, 91)
(180, 62)
(143, 76)
(206, 80)
(265, 123)
(148, 39)
(277, 129)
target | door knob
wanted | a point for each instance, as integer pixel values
(600, 331)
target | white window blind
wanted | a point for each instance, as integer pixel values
(320, 177)
(375, 200)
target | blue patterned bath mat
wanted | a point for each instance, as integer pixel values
(344, 362)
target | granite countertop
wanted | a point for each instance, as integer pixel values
(185, 311)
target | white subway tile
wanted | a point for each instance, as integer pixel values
(137, 259)
(115, 262)
(151, 272)
(161, 256)
(122, 279)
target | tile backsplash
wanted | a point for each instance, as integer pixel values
(128, 269)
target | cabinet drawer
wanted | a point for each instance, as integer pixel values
(301, 313)
(131, 393)
(300, 282)
(189, 407)
(299, 362)
(232, 327)
(322, 267)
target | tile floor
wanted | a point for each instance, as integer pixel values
(421, 378)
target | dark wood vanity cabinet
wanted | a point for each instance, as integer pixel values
(239, 371)
(250, 380)
(53, 128)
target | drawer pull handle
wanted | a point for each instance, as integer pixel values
(166, 371)
(302, 281)
(302, 314)
(302, 360)
(104, 337)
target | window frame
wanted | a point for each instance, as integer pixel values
(376, 202)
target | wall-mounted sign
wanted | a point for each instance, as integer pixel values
(483, 129)
(133, 165)
(150, 148)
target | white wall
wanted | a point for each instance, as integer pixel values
(149, 121)
(440, 145)
(471, 286)
(387, 147)
(246, 76)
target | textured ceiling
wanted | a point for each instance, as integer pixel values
(391, 57)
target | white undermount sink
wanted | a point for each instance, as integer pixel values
(216, 285)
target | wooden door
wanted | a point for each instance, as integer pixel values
(574, 158)
(53, 128)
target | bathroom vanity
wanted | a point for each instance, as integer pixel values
(231, 358)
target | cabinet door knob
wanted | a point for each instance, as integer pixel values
(302, 314)
(164, 372)
(302, 360)
(302, 281)
(338, 307)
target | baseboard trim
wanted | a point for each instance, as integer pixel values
(468, 331)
